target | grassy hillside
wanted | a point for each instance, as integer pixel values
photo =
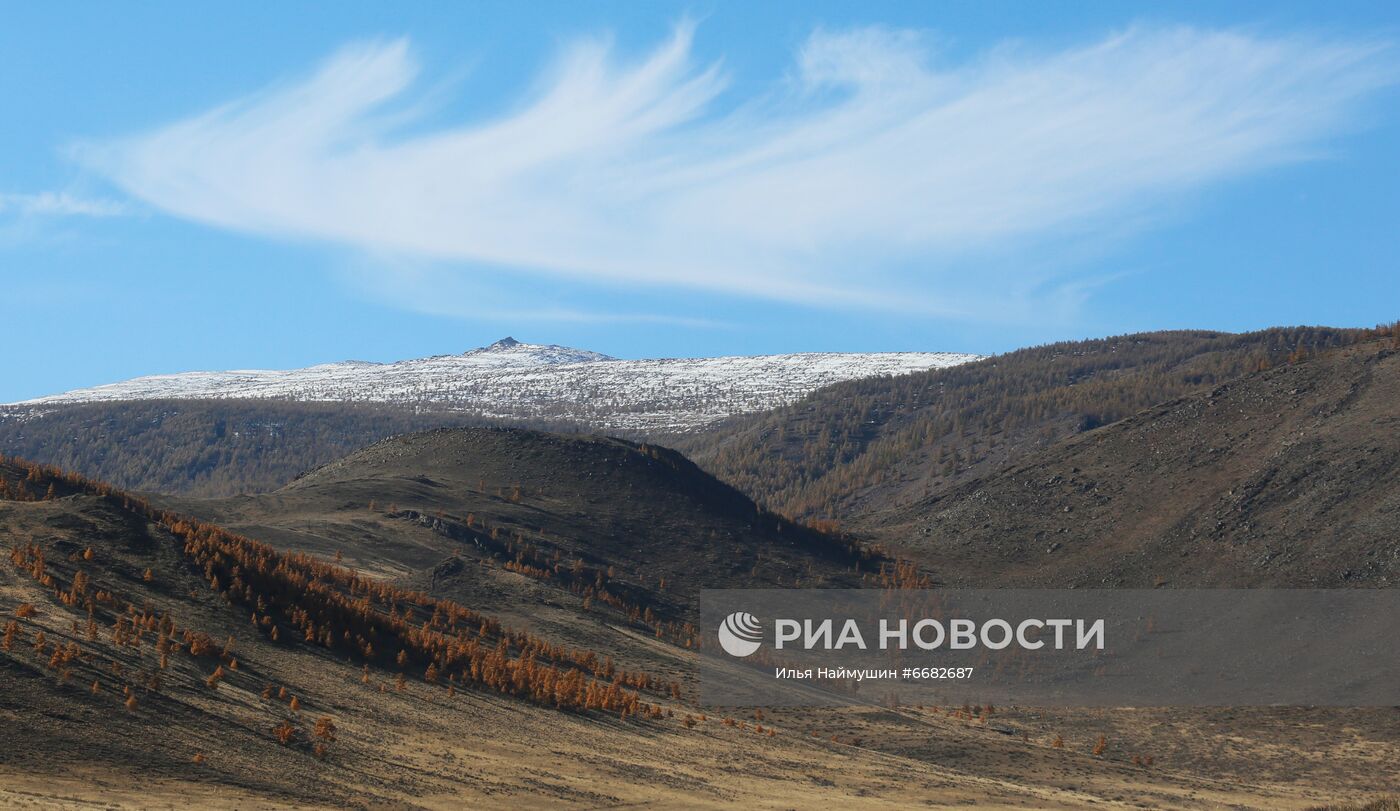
(192, 642)
(149, 659)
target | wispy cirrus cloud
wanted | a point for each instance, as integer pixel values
(866, 176)
(60, 204)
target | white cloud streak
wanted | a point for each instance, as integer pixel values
(869, 168)
(60, 204)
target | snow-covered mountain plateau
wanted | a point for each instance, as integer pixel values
(514, 380)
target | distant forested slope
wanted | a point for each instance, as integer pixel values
(206, 448)
(1288, 477)
(861, 447)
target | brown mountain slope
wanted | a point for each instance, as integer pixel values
(1289, 476)
(148, 660)
(130, 716)
(869, 445)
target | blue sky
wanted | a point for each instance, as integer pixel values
(277, 185)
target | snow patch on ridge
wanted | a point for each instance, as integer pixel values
(514, 380)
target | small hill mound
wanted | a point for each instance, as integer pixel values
(493, 515)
